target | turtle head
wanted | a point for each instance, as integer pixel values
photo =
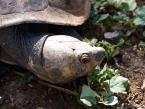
(67, 58)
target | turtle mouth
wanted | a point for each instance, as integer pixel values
(99, 53)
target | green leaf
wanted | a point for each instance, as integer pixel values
(144, 34)
(140, 11)
(120, 43)
(117, 84)
(97, 4)
(128, 33)
(141, 44)
(124, 4)
(111, 35)
(99, 75)
(102, 17)
(88, 96)
(93, 41)
(131, 3)
(110, 101)
(139, 21)
(106, 82)
(118, 18)
(109, 48)
(94, 11)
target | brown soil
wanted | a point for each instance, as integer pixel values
(16, 94)
(133, 68)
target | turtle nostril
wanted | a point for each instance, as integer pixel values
(85, 59)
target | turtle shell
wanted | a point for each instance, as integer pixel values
(60, 12)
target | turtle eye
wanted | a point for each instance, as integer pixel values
(84, 58)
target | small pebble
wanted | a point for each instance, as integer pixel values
(139, 108)
(143, 85)
(30, 85)
(40, 108)
(2, 100)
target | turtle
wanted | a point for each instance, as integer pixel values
(36, 35)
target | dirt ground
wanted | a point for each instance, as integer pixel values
(16, 94)
(133, 67)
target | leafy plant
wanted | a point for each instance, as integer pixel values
(141, 44)
(104, 85)
(111, 49)
(118, 16)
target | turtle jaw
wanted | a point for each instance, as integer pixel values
(98, 54)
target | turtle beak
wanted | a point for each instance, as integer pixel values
(98, 53)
